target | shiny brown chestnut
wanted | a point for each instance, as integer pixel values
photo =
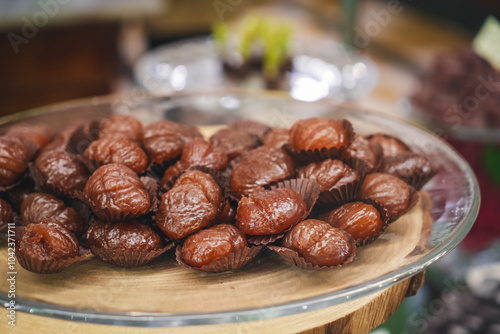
(318, 133)
(260, 167)
(40, 134)
(270, 212)
(164, 140)
(319, 243)
(391, 192)
(121, 126)
(362, 221)
(390, 145)
(276, 138)
(234, 142)
(117, 150)
(38, 206)
(208, 245)
(14, 158)
(123, 236)
(193, 203)
(47, 241)
(368, 151)
(6, 214)
(328, 173)
(62, 170)
(114, 191)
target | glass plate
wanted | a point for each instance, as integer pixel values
(321, 68)
(165, 294)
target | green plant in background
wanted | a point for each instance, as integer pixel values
(277, 41)
(219, 34)
(492, 161)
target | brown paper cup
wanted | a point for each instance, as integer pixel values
(347, 192)
(83, 135)
(295, 259)
(233, 261)
(156, 170)
(129, 259)
(308, 189)
(48, 266)
(304, 157)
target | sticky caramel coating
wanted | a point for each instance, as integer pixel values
(390, 191)
(276, 138)
(116, 189)
(234, 142)
(259, 167)
(368, 151)
(270, 212)
(360, 220)
(172, 171)
(192, 203)
(391, 146)
(61, 139)
(328, 173)
(211, 244)
(123, 126)
(405, 165)
(118, 150)
(62, 170)
(123, 236)
(38, 206)
(40, 135)
(6, 214)
(319, 243)
(14, 158)
(48, 241)
(317, 133)
(164, 140)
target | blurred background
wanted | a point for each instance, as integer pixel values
(409, 58)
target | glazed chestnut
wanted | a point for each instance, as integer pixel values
(122, 126)
(118, 150)
(253, 127)
(234, 142)
(211, 244)
(368, 151)
(318, 133)
(328, 173)
(123, 236)
(62, 170)
(197, 152)
(320, 243)
(40, 135)
(270, 212)
(38, 206)
(362, 221)
(276, 138)
(61, 140)
(406, 165)
(164, 140)
(391, 146)
(391, 192)
(48, 241)
(192, 203)
(115, 190)
(260, 167)
(6, 214)
(14, 158)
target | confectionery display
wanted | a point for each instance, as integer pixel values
(127, 193)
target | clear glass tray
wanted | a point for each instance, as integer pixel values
(165, 294)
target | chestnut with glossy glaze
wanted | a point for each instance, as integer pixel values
(320, 243)
(260, 167)
(276, 138)
(234, 142)
(270, 212)
(122, 126)
(391, 146)
(368, 151)
(40, 135)
(391, 192)
(123, 236)
(208, 245)
(328, 173)
(14, 158)
(193, 203)
(318, 133)
(6, 214)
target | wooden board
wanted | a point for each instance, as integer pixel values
(165, 287)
